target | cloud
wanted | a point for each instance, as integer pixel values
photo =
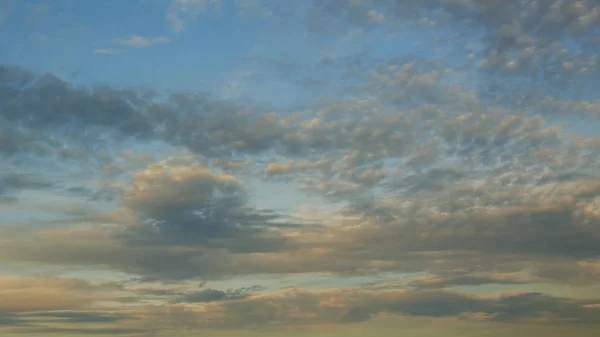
(107, 51)
(411, 177)
(107, 252)
(180, 11)
(468, 280)
(319, 18)
(102, 194)
(521, 41)
(179, 219)
(74, 115)
(13, 183)
(73, 306)
(187, 201)
(430, 166)
(423, 174)
(137, 41)
(85, 331)
(21, 181)
(303, 307)
(212, 295)
(29, 294)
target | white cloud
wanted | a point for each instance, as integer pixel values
(137, 41)
(107, 51)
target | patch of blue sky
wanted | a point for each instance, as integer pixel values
(205, 56)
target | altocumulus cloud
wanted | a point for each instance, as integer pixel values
(445, 187)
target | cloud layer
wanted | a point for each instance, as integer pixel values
(457, 186)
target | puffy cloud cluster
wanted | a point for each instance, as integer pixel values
(528, 49)
(178, 219)
(433, 177)
(185, 202)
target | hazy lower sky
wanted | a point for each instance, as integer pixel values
(299, 168)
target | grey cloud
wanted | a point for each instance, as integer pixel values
(536, 305)
(15, 77)
(151, 264)
(7, 200)
(218, 128)
(50, 102)
(436, 304)
(13, 183)
(10, 320)
(102, 194)
(157, 292)
(144, 254)
(432, 180)
(23, 181)
(212, 127)
(463, 280)
(205, 125)
(306, 307)
(565, 271)
(511, 239)
(507, 308)
(212, 295)
(37, 108)
(274, 309)
(194, 205)
(180, 220)
(548, 231)
(76, 316)
(86, 331)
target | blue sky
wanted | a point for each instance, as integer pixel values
(305, 168)
(68, 41)
(137, 44)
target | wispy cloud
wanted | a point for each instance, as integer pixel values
(107, 51)
(137, 41)
(181, 11)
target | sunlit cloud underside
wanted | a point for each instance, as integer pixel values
(315, 168)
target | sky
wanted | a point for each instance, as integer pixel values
(299, 168)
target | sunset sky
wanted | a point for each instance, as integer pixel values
(299, 168)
